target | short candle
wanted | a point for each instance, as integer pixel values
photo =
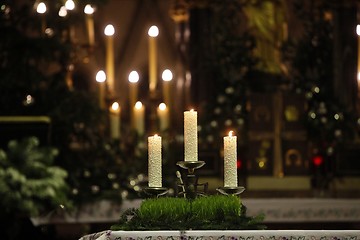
(154, 158)
(230, 159)
(190, 136)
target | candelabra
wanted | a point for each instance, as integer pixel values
(190, 185)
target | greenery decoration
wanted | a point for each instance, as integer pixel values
(203, 213)
(29, 182)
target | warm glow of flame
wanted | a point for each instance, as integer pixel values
(231, 133)
(155, 135)
(133, 77)
(358, 30)
(115, 106)
(89, 9)
(162, 106)
(167, 75)
(63, 11)
(41, 8)
(358, 76)
(70, 5)
(109, 30)
(138, 105)
(100, 76)
(153, 31)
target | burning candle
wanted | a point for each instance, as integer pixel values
(230, 159)
(190, 135)
(167, 76)
(115, 120)
(109, 32)
(133, 82)
(154, 158)
(153, 33)
(41, 9)
(101, 78)
(89, 10)
(163, 115)
(139, 118)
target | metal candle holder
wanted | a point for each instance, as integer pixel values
(155, 192)
(231, 190)
(190, 184)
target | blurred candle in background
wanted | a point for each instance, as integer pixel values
(153, 33)
(167, 76)
(155, 161)
(109, 31)
(139, 118)
(230, 160)
(115, 120)
(101, 78)
(163, 116)
(89, 11)
(41, 9)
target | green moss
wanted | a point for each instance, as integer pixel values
(211, 212)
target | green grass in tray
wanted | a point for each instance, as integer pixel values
(169, 213)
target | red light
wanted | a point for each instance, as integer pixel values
(318, 160)
(238, 164)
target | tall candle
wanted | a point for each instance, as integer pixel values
(101, 78)
(89, 10)
(153, 33)
(133, 82)
(139, 118)
(41, 9)
(167, 77)
(358, 57)
(115, 120)
(190, 136)
(154, 158)
(163, 115)
(109, 32)
(230, 159)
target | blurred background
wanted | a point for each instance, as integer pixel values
(83, 83)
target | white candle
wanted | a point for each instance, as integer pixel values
(101, 78)
(109, 32)
(230, 159)
(153, 33)
(89, 10)
(41, 9)
(115, 120)
(139, 118)
(154, 158)
(167, 76)
(190, 135)
(163, 115)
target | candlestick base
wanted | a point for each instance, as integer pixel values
(155, 191)
(190, 165)
(230, 190)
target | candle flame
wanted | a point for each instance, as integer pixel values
(153, 31)
(109, 30)
(138, 105)
(167, 75)
(100, 76)
(162, 106)
(89, 9)
(41, 8)
(155, 135)
(133, 77)
(62, 11)
(115, 106)
(70, 5)
(231, 133)
(358, 30)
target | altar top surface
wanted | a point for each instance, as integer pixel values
(228, 235)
